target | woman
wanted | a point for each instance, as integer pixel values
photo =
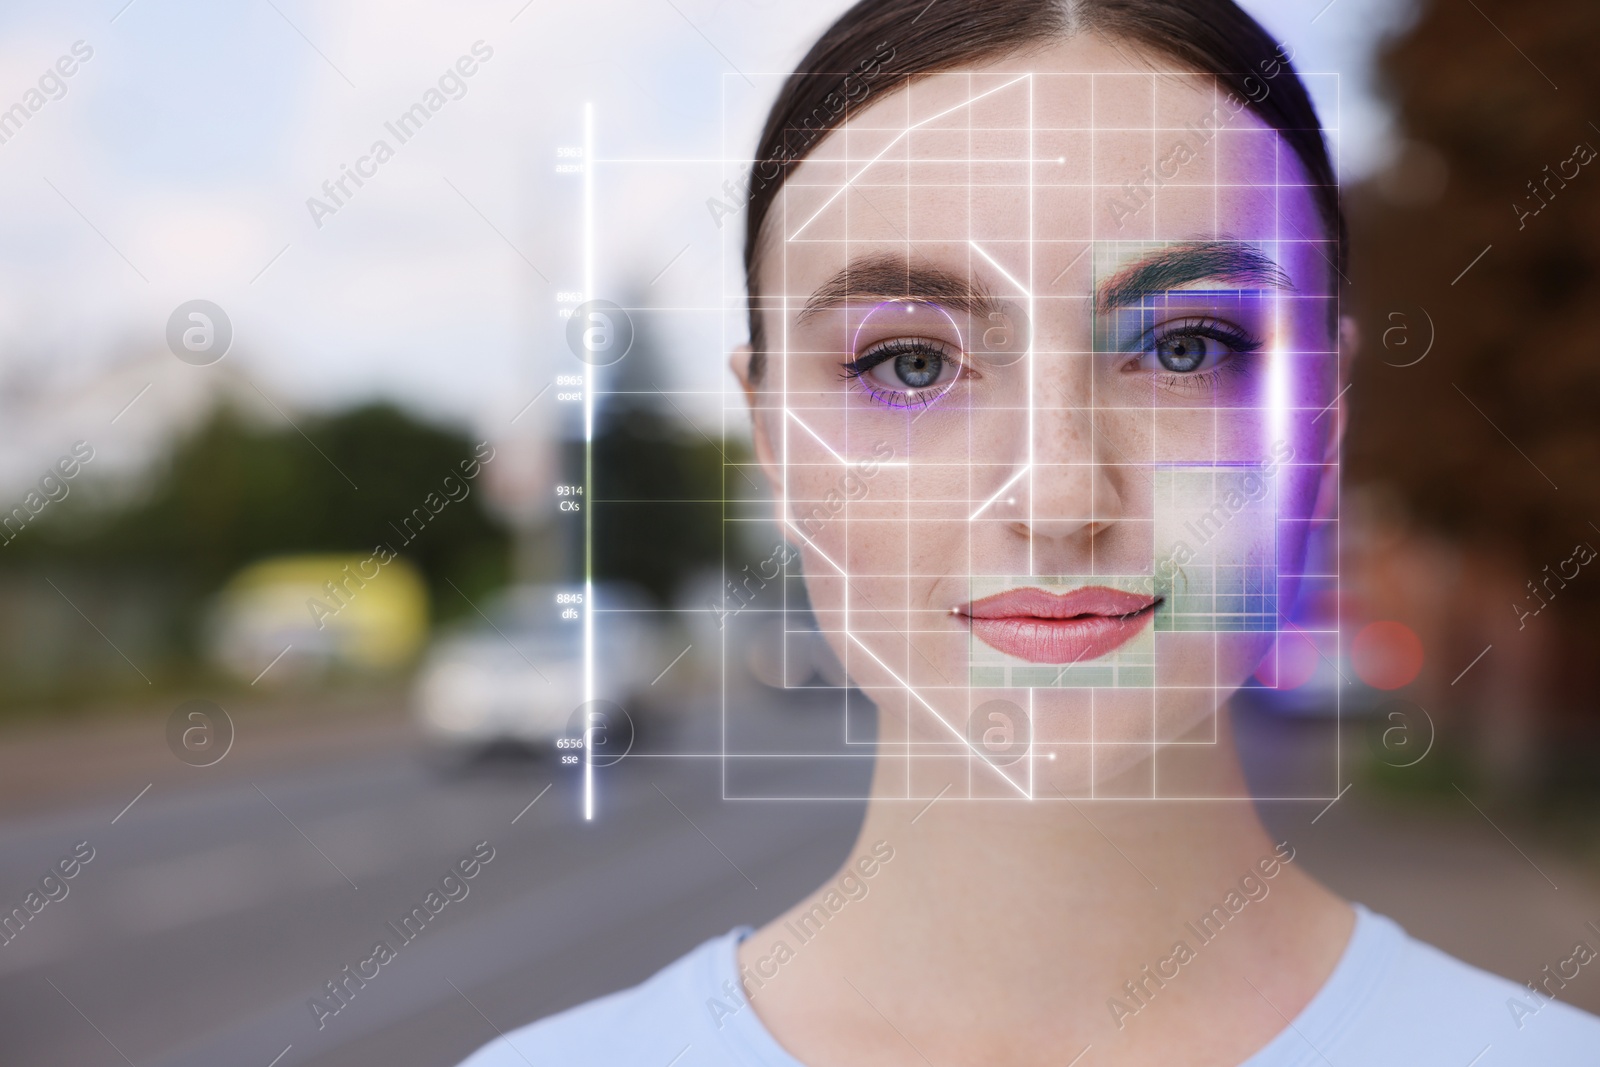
(1044, 366)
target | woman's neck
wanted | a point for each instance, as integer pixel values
(1036, 916)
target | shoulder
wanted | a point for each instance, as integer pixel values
(1394, 999)
(679, 1006)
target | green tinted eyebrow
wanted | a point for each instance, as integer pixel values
(1180, 265)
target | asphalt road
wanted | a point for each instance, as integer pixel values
(220, 902)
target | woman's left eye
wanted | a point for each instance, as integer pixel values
(1191, 347)
(907, 370)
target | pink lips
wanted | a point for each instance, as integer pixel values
(1043, 627)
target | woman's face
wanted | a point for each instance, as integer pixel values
(1047, 402)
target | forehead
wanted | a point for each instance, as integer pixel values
(1082, 141)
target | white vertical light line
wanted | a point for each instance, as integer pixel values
(1338, 471)
(588, 457)
(1033, 334)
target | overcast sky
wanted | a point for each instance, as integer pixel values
(178, 163)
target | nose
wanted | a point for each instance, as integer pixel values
(1073, 488)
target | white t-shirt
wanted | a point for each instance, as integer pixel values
(1391, 1001)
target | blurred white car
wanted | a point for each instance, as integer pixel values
(515, 672)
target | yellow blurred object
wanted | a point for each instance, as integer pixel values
(366, 613)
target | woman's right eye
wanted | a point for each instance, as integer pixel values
(905, 371)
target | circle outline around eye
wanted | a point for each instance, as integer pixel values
(909, 305)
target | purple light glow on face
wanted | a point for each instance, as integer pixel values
(902, 340)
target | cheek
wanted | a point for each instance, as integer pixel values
(906, 554)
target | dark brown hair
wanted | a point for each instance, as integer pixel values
(880, 45)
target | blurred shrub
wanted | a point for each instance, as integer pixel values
(142, 566)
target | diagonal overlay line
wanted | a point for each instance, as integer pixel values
(302, 833)
(1332, 802)
(1287, 1021)
(1513, 44)
(497, 231)
(902, 683)
(96, 229)
(671, 665)
(257, 278)
(531, 803)
(1332, 402)
(1108, 840)
(99, 631)
(131, 803)
(130, 403)
(713, 45)
(307, 40)
(1474, 663)
(499, 631)
(90, 1021)
(702, 833)
(273, 664)
(486, 1019)
(1474, 263)
(898, 137)
(1069, 266)
(1502, 833)
(932, 802)
(529, 404)
(1009, 483)
(690, 422)
(886, 1019)
(1007, 275)
(302, 433)
(1502, 433)
(668, 267)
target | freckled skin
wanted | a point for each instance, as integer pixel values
(1091, 427)
(1006, 923)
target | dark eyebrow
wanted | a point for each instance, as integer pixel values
(1179, 265)
(888, 276)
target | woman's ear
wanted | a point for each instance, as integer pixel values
(1326, 507)
(1349, 344)
(760, 426)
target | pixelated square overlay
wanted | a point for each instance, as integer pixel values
(1132, 666)
(1214, 568)
(1216, 548)
(1122, 328)
(735, 299)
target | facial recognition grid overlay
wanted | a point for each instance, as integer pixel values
(1214, 530)
(1131, 665)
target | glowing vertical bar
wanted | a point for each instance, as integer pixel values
(588, 470)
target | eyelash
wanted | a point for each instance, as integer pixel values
(1194, 383)
(884, 351)
(1203, 383)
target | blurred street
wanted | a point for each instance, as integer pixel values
(222, 900)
